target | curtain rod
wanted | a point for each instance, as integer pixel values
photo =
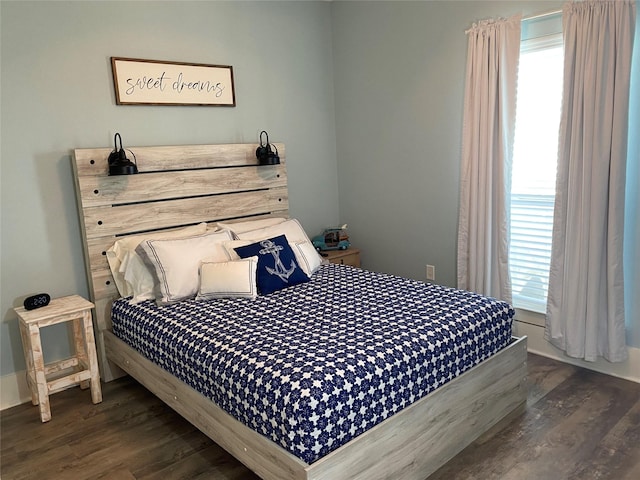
(541, 15)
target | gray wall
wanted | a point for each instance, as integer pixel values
(399, 84)
(57, 94)
(394, 70)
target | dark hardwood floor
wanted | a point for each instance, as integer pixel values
(578, 425)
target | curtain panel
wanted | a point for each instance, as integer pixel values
(585, 307)
(487, 148)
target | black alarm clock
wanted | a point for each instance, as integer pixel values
(37, 301)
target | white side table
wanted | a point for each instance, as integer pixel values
(81, 369)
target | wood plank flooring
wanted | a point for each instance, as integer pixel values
(578, 425)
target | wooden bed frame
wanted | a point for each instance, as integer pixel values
(185, 185)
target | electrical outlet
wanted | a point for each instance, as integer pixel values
(431, 272)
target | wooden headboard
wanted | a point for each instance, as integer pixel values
(177, 186)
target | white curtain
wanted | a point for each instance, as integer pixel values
(487, 147)
(585, 308)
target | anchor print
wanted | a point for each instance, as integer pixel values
(280, 270)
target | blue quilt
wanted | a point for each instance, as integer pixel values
(314, 365)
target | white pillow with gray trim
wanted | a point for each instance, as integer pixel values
(129, 272)
(228, 279)
(176, 263)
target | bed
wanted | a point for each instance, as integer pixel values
(183, 186)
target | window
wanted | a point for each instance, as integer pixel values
(539, 102)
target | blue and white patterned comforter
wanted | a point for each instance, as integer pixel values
(315, 365)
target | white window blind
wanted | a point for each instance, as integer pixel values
(534, 169)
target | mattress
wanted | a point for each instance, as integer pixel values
(315, 365)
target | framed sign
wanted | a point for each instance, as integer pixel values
(153, 82)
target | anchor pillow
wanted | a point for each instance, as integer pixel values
(277, 266)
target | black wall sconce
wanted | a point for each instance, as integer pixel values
(119, 164)
(264, 153)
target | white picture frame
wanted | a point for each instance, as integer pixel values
(155, 82)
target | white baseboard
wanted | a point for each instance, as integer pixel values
(14, 390)
(536, 343)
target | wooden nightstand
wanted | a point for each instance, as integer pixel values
(81, 369)
(350, 256)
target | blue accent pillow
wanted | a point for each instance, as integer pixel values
(277, 266)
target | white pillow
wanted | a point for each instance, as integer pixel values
(241, 227)
(291, 228)
(228, 279)
(128, 270)
(176, 263)
(307, 257)
(230, 246)
(306, 254)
